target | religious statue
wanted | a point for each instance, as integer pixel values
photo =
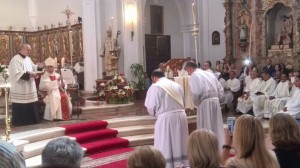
(285, 36)
(243, 38)
(110, 52)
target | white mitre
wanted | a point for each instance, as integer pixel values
(50, 62)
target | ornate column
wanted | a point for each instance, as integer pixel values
(227, 30)
(90, 44)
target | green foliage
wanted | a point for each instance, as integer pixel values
(137, 71)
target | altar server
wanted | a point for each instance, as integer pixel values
(164, 100)
(23, 91)
(58, 105)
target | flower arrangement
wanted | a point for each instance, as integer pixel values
(115, 91)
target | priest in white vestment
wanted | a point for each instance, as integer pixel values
(266, 88)
(232, 87)
(206, 91)
(277, 98)
(23, 93)
(292, 106)
(245, 102)
(164, 100)
(207, 67)
(58, 105)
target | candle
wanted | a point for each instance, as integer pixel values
(71, 43)
(250, 42)
(194, 15)
(55, 61)
(63, 62)
(132, 26)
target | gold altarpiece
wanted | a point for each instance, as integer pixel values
(253, 27)
(54, 42)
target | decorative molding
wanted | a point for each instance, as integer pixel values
(269, 4)
(227, 29)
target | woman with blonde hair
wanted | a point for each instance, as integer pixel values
(203, 149)
(249, 144)
(146, 157)
(285, 136)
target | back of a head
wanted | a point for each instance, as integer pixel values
(62, 151)
(146, 157)
(191, 64)
(251, 143)
(10, 156)
(157, 73)
(284, 131)
(203, 149)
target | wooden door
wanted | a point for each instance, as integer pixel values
(158, 49)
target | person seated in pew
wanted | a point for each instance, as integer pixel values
(267, 87)
(58, 105)
(292, 106)
(245, 102)
(231, 91)
(277, 98)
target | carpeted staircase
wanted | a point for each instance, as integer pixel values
(100, 142)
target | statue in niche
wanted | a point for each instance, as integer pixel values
(286, 34)
(243, 37)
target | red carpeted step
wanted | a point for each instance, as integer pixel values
(105, 145)
(83, 127)
(94, 135)
(110, 153)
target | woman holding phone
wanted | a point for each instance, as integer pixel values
(249, 145)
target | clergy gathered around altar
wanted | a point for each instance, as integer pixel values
(250, 96)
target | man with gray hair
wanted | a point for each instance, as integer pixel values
(62, 152)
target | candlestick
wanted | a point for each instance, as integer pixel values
(71, 46)
(194, 15)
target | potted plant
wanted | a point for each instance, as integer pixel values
(138, 73)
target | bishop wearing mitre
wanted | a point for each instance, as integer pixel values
(58, 105)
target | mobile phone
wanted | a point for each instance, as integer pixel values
(185, 167)
(230, 123)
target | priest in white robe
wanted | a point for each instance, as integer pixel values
(164, 100)
(266, 88)
(206, 91)
(23, 91)
(292, 107)
(232, 88)
(245, 102)
(58, 105)
(275, 101)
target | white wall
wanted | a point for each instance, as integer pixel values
(172, 25)
(16, 12)
(211, 18)
(50, 11)
(13, 13)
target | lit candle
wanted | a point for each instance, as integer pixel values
(194, 13)
(63, 62)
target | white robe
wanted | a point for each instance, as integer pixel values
(169, 74)
(281, 94)
(267, 88)
(171, 127)
(52, 100)
(234, 85)
(207, 90)
(244, 105)
(293, 105)
(182, 72)
(22, 91)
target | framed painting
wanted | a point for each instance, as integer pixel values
(157, 21)
(215, 38)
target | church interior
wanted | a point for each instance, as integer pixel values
(97, 45)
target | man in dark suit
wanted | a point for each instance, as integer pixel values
(269, 68)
